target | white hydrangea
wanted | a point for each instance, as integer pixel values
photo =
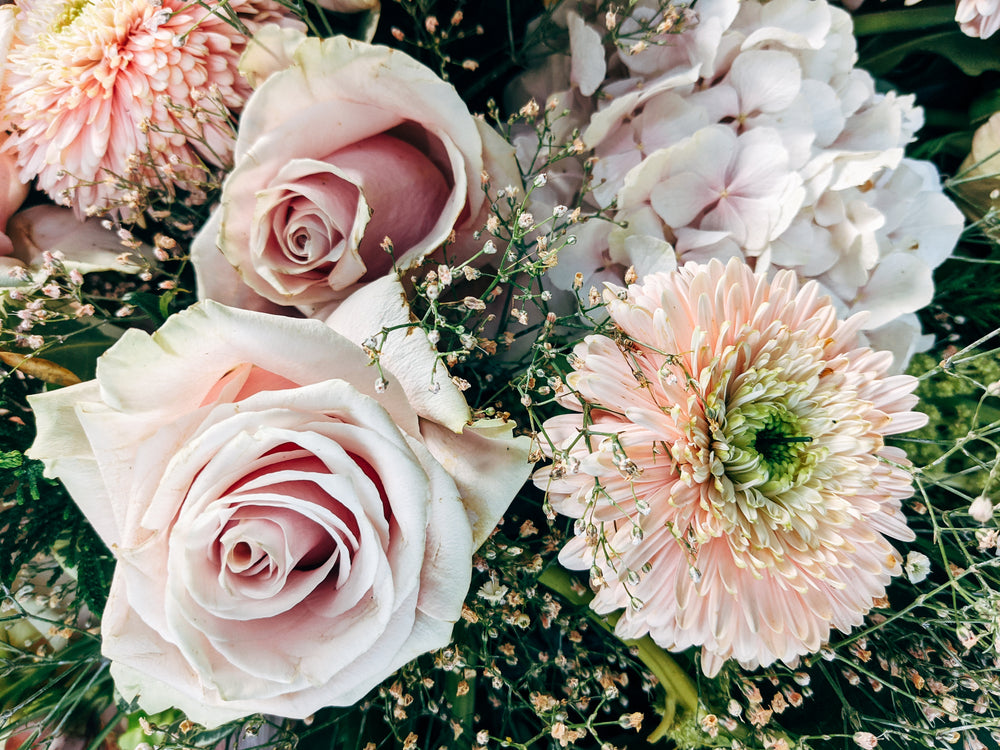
(750, 132)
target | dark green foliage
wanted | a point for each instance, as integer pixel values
(37, 515)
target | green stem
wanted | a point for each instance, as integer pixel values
(909, 19)
(681, 690)
(108, 728)
(462, 706)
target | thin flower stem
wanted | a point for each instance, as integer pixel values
(98, 741)
(463, 706)
(680, 689)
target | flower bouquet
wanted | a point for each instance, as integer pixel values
(439, 373)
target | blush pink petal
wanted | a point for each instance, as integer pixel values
(717, 540)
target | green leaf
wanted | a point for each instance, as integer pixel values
(972, 56)
(984, 107)
(11, 459)
(80, 350)
(148, 303)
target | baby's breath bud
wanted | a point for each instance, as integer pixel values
(380, 385)
(917, 566)
(489, 248)
(474, 303)
(434, 337)
(433, 290)
(525, 220)
(981, 509)
(468, 341)
(540, 180)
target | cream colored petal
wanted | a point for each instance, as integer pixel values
(269, 50)
(489, 466)
(62, 445)
(406, 354)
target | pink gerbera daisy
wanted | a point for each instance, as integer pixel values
(727, 465)
(109, 98)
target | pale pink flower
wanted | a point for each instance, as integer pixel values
(733, 485)
(111, 97)
(717, 181)
(12, 195)
(978, 18)
(287, 532)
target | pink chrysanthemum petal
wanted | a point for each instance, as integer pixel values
(107, 99)
(733, 485)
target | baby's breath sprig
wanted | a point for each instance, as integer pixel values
(55, 314)
(633, 32)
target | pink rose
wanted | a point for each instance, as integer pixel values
(342, 145)
(12, 194)
(288, 532)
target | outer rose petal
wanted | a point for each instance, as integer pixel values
(12, 190)
(407, 353)
(487, 463)
(87, 246)
(245, 420)
(268, 51)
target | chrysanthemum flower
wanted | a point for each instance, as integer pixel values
(726, 460)
(107, 98)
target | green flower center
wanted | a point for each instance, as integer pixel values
(72, 11)
(768, 450)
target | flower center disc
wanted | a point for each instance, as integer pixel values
(768, 449)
